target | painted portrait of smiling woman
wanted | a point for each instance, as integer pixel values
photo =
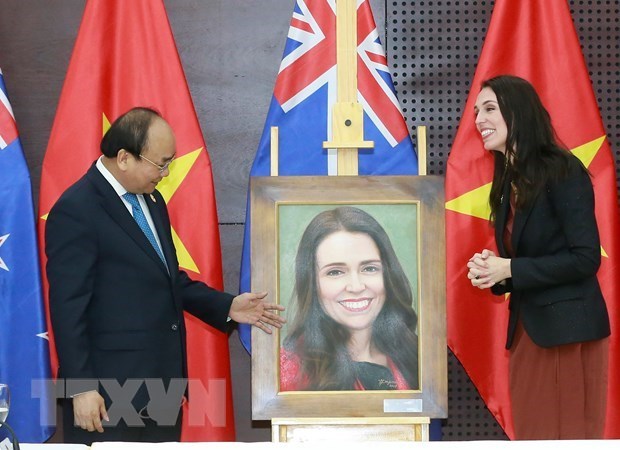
(352, 322)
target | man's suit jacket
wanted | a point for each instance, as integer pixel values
(554, 289)
(116, 310)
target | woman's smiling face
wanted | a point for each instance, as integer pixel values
(490, 122)
(350, 279)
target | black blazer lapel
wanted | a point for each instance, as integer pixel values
(521, 217)
(116, 209)
(501, 218)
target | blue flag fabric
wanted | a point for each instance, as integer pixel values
(302, 103)
(24, 349)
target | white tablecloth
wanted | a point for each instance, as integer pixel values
(461, 445)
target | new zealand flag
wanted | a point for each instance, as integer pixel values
(303, 99)
(24, 349)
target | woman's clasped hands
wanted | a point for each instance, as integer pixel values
(486, 269)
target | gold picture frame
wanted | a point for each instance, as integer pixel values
(411, 210)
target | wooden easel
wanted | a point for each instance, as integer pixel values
(348, 137)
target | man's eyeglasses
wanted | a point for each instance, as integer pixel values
(163, 168)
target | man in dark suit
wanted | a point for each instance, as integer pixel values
(117, 295)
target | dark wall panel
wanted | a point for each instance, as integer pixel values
(433, 47)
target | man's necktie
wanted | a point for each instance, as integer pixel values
(138, 215)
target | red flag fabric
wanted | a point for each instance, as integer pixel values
(125, 56)
(536, 41)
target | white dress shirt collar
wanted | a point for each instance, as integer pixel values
(120, 190)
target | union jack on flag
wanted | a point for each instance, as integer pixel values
(8, 129)
(303, 99)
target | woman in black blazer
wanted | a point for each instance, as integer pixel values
(542, 208)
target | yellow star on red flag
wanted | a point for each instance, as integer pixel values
(475, 203)
(179, 169)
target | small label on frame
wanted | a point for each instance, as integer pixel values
(402, 405)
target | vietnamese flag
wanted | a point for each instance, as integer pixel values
(535, 40)
(125, 56)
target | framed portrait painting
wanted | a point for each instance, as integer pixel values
(359, 264)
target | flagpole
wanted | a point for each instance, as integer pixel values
(421, 145)
(348, 114)
(274, 151)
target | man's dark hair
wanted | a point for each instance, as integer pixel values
(129, 132)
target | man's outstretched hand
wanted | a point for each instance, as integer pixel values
(251, 308)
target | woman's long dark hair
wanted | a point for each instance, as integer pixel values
(321, 342)
(534, 155)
